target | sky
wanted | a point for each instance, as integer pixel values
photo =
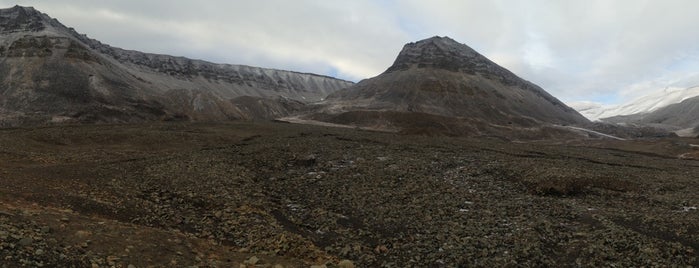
(606, 51)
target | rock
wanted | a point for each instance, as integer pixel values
(252, 260)
(345, 251)
(39, 252)
(307, 161)
(319, 266)
(26, 241)
(131, 266)
(345, 264)
(45, 229)
(278, 266)
(82, 234)
(65, 219)
(112, 260)
(381, 249)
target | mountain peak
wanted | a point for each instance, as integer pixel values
(21, 19)
(442, 42)
(440, 53)
(447, 54)
(18, 8)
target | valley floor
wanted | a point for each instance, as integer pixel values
(182, 194)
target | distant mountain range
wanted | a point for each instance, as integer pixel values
(674, 109)
(52, 74)
(641, 105)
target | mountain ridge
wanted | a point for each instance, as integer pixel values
(96, 44)
(109, 84)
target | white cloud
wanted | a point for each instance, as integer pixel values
(537, 53)
(577, 50)
(357, 38)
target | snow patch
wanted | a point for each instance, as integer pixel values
(688, 209)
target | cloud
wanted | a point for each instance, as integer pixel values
(609, 51)
(358, 39)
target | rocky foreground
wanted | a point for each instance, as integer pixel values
(283, 195)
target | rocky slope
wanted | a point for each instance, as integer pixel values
(51, 73)
(452, 88)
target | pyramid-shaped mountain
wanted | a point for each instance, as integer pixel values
(440, 80)
(50, 73)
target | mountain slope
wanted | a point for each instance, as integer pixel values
(683, 115)
(641, 105)
(449, 85)
(51, 73)
(673, 109)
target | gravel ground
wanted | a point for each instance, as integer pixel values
(284, 195)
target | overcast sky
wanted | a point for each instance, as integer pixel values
(607, 51)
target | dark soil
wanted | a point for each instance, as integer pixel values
(182, 194)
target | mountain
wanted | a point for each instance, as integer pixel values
(684, 115)
(683, 118)
(671, 109)
(51, 73)
(438, 84)
(642, 105)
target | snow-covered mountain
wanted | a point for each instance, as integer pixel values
(642, 105)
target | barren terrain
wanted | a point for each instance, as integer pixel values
(183, 194)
